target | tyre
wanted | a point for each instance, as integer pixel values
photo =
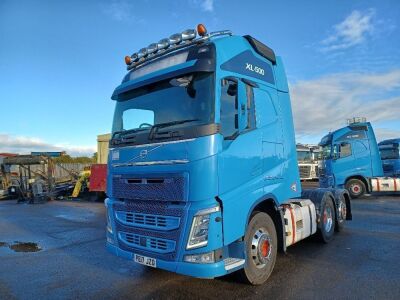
(326, 228)
(260, 249)
(356, 188)
(341, 213)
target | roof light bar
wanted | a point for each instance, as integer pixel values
(174, 42)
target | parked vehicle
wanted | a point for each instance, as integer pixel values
(307, 158)
(351, 160)
(390, 156)
(202, 171)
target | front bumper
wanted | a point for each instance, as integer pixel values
(191, 269)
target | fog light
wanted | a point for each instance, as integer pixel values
(204, 258)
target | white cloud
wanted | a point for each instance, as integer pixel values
(122, 11)
(353, 31)
(323, 104)
(385, 133)
(25, 145)
(205, 5)
(208, 5)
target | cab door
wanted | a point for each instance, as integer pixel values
(240, 161)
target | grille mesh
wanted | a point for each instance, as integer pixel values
(171, 188)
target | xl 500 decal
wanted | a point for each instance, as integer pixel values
(247, 63)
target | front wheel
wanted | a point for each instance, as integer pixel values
(260, 249)
(356, 188)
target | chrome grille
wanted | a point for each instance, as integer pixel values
(150, 228)
(147, 220)
(147, 243)
(305, 171)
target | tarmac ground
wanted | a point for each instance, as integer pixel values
(57, 250)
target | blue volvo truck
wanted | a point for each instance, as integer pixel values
(390, 156)
(202, 170)
(351, 159)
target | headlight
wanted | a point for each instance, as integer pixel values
(198, 236)
(205, 258)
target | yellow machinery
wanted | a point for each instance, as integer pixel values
(83, 181)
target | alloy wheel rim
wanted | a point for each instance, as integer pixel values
(261, 248)
(328, 219)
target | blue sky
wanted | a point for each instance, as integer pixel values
(61, 60)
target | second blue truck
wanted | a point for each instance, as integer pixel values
(352, 159)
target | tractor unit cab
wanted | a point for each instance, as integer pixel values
(202, 166)
(349, 157)
(390, 156)
(307, 158)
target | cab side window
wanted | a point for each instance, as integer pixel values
(229, 107)
(251, 116)
(344, 150)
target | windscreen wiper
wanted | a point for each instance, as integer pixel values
(155, 128)
(126, 135)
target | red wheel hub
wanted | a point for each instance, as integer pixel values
(265, 248)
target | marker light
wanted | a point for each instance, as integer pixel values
(163, 44)
(152, 48)
(175, 38)
(201, 29)
(128, 60)
(188, 35)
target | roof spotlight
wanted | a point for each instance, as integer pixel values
(175, 38)
(152, 48)
(188, 34)
(142, 52)
(163, 44)
(134, 57)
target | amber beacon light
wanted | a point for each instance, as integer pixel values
(128, 60)
(201, 29)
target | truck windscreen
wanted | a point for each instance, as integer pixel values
(389, 151)
(175, 102)
(304, 156)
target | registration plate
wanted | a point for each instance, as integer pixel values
(144, 260)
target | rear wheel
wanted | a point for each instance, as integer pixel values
(327, 221)
(356, 188)
(260, 249)
(341, 213)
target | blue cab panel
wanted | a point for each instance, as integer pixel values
(349, 152)
(390, 156)
(215, 139)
